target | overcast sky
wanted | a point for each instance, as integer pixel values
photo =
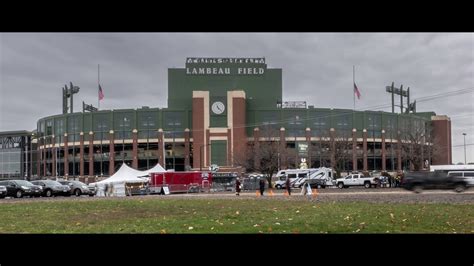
(317, 68)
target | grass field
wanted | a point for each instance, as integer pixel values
(157, 215)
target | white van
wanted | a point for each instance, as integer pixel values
(293, 174)
(468, 175)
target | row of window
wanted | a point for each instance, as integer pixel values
(102, 123)
(327, 120)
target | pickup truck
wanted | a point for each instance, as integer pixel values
(356, 180)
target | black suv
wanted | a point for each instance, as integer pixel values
(20, 188)
(53, 188)
(417, 181)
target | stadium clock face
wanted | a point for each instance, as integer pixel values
(218, 108)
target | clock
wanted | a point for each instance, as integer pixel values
(218, 108)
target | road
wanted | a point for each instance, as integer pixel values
(376, 195)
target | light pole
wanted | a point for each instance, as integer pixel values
(200, 153)
(464, 148)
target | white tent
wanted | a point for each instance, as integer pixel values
(156, 169)
(124, 175)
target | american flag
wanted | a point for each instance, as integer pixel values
(356, 91)
(101, 93)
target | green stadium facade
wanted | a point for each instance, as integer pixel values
(217, 107)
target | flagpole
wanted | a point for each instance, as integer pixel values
(98, 84)
(353, 86)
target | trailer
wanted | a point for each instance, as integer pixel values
(179, 182)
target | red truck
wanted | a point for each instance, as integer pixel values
(180, 182)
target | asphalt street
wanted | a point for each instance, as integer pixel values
(376, 195)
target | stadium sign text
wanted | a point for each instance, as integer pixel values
(200, 60)
(225, 66)
(224, 71)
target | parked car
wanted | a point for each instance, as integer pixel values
(92, 190)
(20, 188)
(3, 192)
(417, 181)
(53, 188)
(78, 188)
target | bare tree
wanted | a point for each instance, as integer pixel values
(342, 149)
(320, 151)
(417, 144)
(265, 158)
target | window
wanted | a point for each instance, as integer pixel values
(123, 125)
(49, 127)
(173, 119)
(59, 130)
(374, 126)
(146, 120)
(319, 123)
(291, 175)
(268, 118)
(101, 126)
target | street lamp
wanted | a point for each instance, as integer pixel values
(464, 148)
(200, 153)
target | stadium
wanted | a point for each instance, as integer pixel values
(217, 109)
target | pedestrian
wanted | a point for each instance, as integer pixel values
(389, 181)
(237, 186)
(262, 186)
(111, 187)
(288, 185)
(106, 190)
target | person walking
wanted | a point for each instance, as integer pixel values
(106, 190)
(237, 187)
(288, 185)
(111, 190)
(262, 186)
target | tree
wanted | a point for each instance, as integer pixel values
(263, 157)
(418, 143)
(342, 150)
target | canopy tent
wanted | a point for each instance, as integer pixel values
(118, 181)
(156, 169)
(124, 174)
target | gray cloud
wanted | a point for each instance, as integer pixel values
(317, 67)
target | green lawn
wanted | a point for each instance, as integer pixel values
(158, 215)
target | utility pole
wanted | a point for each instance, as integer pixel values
(465, 162)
